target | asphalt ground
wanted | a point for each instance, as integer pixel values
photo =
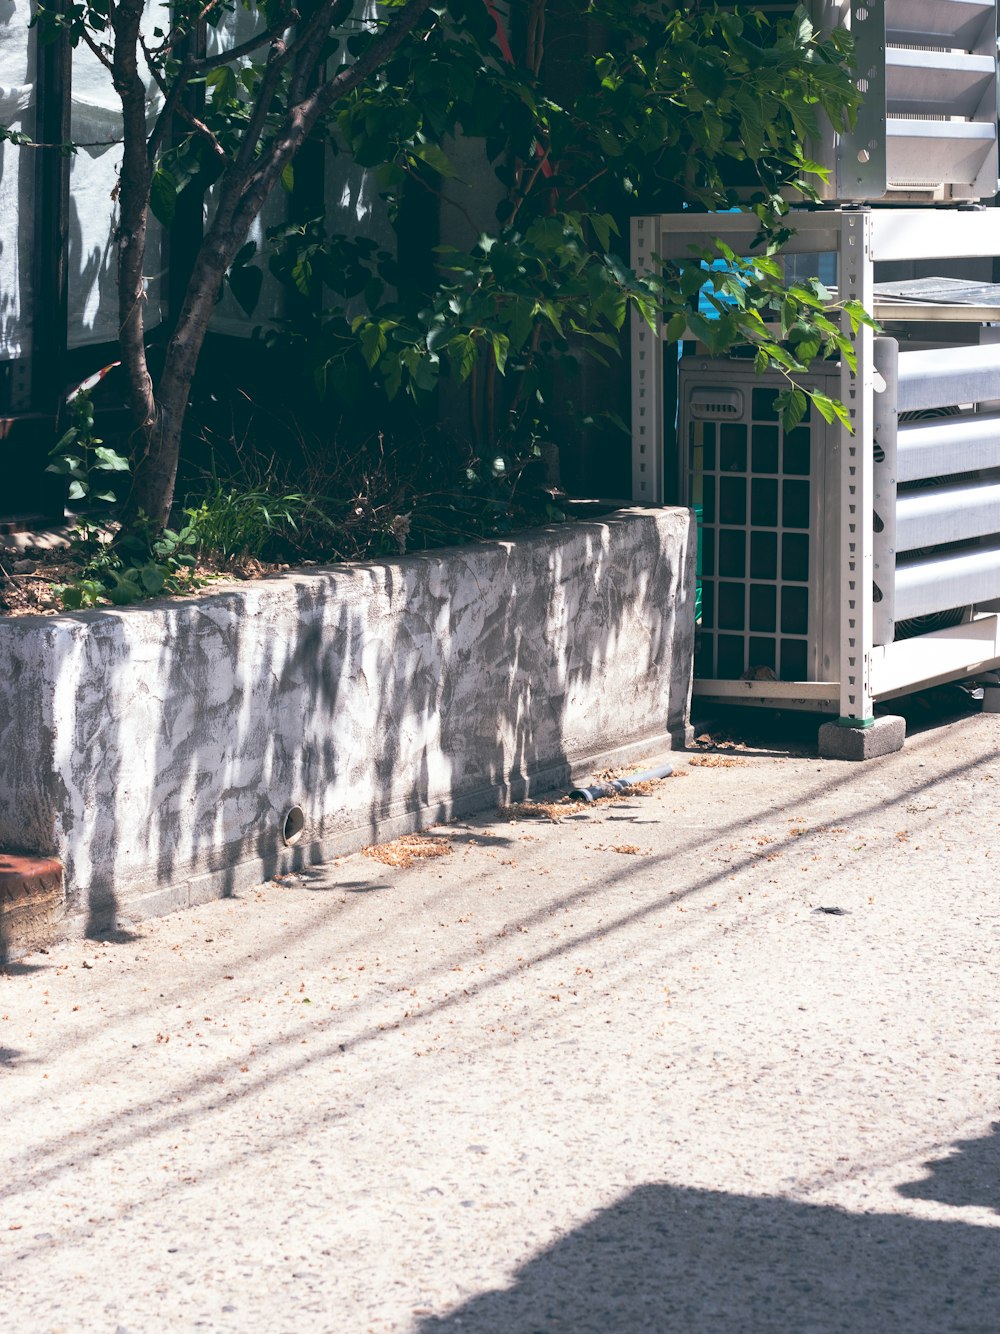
(722, 1055)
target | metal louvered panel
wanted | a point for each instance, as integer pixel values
(932, 154)
(937, 540)
(936, 83)
(927, 128)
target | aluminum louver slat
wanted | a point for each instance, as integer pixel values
(947, 376)
(959, 24)
(925, 586)
(931, 153)
(936, 83)
(947, 445)
(944, 514)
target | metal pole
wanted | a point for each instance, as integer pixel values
(856, 283)
(647, 381)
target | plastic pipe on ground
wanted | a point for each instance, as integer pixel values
(616, 785)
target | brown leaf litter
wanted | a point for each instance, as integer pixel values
(409, 848)
(563, 806)
(716, 762)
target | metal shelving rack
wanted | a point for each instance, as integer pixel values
(867, 671)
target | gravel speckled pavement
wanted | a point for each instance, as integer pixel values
(721, 1057)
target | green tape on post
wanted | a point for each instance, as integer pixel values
(862, 724)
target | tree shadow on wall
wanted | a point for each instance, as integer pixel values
(666, 1258)
(376, 697)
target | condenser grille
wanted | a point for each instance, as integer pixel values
(752, 481)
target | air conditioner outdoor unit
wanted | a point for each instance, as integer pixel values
(772, 522)
(927, 127)
(768, 541)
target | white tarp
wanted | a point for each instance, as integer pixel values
(229, 316)
(17, 172)
(95, 117)
(352, 201)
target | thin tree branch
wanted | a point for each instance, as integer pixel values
(188, 116)
(177, 33)
(536, 170)
(69, 146)
(442, 198)
(263, 97)
(288, 20)
(303, 116)
(179, 109)
(173, 97)
(97, 50)
(335, 12)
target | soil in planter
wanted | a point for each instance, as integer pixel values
(31, 576)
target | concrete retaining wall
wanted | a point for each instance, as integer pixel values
(155, 750)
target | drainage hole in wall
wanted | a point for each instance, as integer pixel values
(292, 826)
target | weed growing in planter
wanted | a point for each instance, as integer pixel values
(134, 568)
(231, 523)
(80, 454)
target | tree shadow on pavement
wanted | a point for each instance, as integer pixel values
(668, 1258)
(970, 1175)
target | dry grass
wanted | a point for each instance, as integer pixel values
(408, 849)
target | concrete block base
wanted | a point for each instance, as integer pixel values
(884, 737)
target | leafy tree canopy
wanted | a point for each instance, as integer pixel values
(666, 105)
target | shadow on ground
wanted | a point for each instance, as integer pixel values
(969, 1175)
(788, 732)
(666, 1258)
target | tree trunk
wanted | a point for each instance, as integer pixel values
(155, 470)
(133, 195)
(243, 189)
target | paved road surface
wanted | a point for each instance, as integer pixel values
(613, 1074)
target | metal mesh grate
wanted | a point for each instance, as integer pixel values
(753, 482)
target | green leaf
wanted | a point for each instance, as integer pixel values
(708, 77)
(152, 578)
(792, 405)
(124, 592)
(163, 196)
(373, 344)
(244, 255)
(434, 156)
(807, 350)
(462, 354)
(245, 285)
(830, 409)
(108, 460)
(501, 346)
(604, 225)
